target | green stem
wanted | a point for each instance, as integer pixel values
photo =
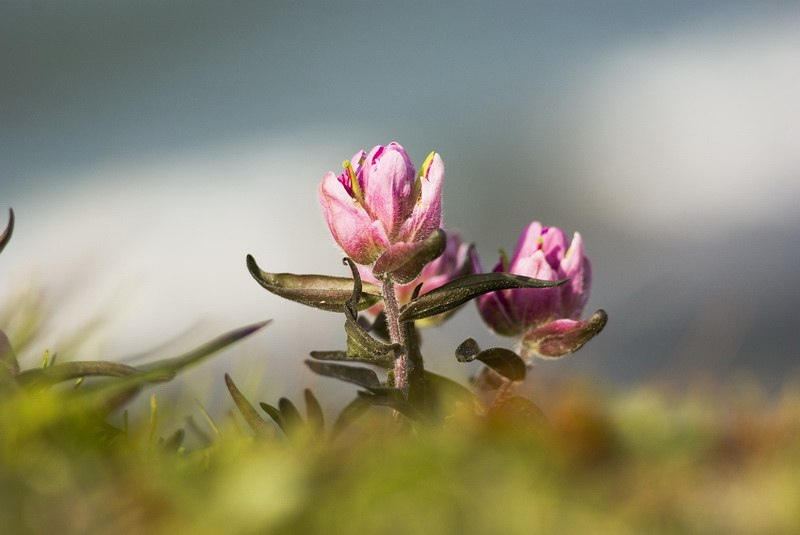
(397, 335)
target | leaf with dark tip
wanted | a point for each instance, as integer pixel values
(349, 414)
(256, 422)
(385, 361)
(404, 261)
(502, 360)
(5, 237)
(314, 415)
(165, 369)
(291, 416)
(273, 413)
(467, 350)
(193, 357)
(361, 345)
(318, 291)
(458, 291)
(363, 377)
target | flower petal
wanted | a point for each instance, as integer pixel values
(426, 215)
(388, 177)
(347, 220)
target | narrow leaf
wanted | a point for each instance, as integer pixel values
(291, 416)
(461, 290)
(67, 371)
(5, 237)
(273, 413)
(256, 422)
(314, 415)
(163, 370)
(363, 377)
(384, 361)
(318, 291)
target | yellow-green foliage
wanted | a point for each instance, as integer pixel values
(636, 462)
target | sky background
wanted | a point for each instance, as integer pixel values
(147, 147)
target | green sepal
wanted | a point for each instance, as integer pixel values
(458, 291)
(319, 291)
(403, 262)
(248, 412)
(363, 377)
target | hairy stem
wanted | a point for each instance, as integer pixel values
(397, 335)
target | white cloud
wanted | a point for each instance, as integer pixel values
(699, 130)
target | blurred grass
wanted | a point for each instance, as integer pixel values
(715, 460)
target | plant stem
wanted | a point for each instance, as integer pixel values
(396, 335)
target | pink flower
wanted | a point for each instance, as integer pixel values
(379, 202)
(549, 318)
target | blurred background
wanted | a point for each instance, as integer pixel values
(147, 147)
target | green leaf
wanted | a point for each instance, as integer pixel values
(505, 362)
(385, 361)
(291, 416)
(318, 291)
(404, 261)
(166, 369)
(467, 350)
(273, 413)
(67, 371)
(363, 377)
(363, 346)
(5, 237)
(256, 422)
(501, 360)
(314, 415)
(459, 291)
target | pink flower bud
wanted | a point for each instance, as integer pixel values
(543, 253)
(379, 201)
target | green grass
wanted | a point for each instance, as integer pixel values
(638, 461)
